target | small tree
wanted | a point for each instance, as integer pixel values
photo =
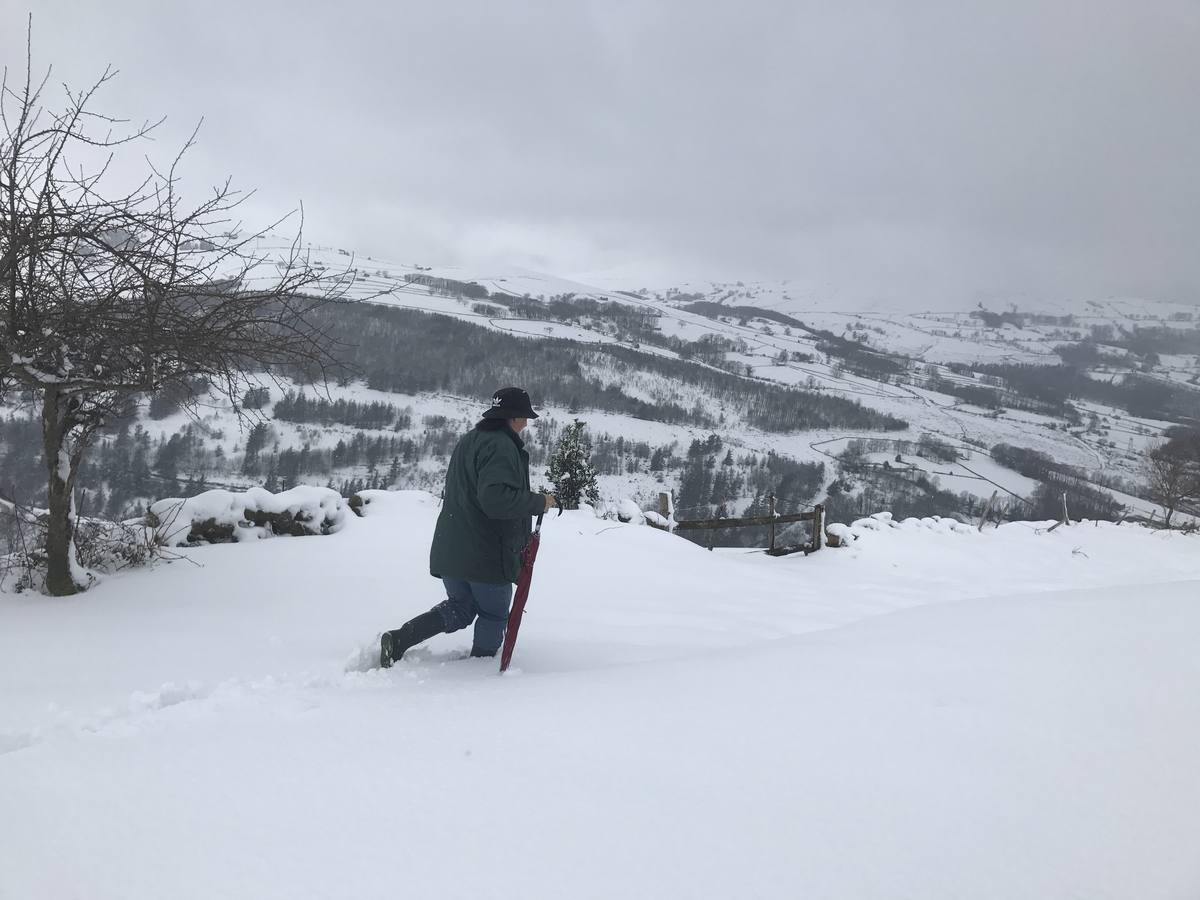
(1173, 475)
(570, 471)
(107, 293)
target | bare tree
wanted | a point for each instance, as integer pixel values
(1173, 475)
(112, 293)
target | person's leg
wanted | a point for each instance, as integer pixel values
(394, 644)
(491, 602)
(458, 609)
(456, 612)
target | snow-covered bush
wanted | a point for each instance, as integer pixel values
(105, 546)
(629, 511)
(621, 510)
(219, 516)
(102, 547)
(570, 472)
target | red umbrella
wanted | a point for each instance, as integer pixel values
(528, 555)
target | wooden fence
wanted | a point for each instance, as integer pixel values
(771, 522)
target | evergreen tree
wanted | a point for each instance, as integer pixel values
(256, 398)
(272, 483)
(570, 471)
(255, 442)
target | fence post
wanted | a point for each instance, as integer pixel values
(771, 507)
(665, 510)
(1066, 517)
(818, 526)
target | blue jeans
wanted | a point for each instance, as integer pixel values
(484, 604)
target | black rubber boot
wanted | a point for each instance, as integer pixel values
(394, 644)
(475, 652)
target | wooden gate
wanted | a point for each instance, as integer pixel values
(770, 521)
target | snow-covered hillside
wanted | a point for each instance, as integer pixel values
(657, 372)
(930, 338)
(930, 335)
(932, 712)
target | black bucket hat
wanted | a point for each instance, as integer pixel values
(510, 403)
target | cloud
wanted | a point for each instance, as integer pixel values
(916, 153)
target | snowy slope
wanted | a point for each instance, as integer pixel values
(797, 298)
(936, 337)
(931, 712)
(939, 337)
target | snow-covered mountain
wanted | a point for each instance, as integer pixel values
(932, 335)
(654, 372)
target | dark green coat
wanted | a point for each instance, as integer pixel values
(485, 518)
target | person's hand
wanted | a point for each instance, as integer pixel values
(550, 502)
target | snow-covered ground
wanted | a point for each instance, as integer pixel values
(931, 712)
(977, 475)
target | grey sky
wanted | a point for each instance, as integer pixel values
(919, 153)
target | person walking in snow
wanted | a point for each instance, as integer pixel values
(482, 529)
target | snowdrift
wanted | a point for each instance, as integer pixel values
(928, 711)
(219, 516)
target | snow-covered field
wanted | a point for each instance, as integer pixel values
(976, 475)
(930, 712)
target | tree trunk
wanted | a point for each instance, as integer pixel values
(61, 466)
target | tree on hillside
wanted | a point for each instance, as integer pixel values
(1173, 475)
(570, 470)
(112, 291)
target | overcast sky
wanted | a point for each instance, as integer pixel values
(923, 154)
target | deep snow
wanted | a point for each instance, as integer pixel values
(930, 712)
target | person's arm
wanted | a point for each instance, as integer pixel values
(501, 487)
